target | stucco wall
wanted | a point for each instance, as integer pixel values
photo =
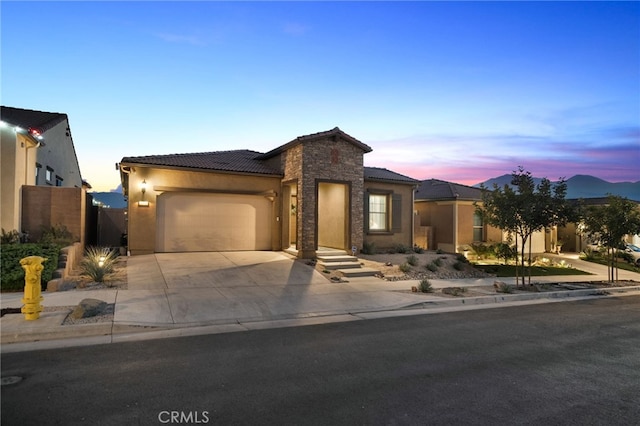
(142, 220)
(17, 154)
(59, 154)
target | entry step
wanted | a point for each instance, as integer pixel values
(340, 265)
(359, 272)
(337, 258)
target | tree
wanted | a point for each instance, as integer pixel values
(609, 224)
(523, 208)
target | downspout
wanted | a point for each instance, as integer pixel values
(126, 171)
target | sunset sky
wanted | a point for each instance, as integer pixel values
(460, 91)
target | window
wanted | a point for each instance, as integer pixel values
(383, 210)
(478, 228)
(59, 180)
(38, 173)
(378, 212)
(49, 175)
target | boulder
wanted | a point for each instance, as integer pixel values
(89, 308)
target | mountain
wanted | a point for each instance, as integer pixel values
(114, 200)
(582, 186)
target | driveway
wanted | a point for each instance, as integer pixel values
(223, 287)
(218, 270)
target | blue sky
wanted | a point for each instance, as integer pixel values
(461, 91)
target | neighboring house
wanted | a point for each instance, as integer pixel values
(311, 193)
(446, 218)
(41, 181)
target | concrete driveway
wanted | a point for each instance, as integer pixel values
(219, 287)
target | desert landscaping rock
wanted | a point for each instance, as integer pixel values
(88, 308)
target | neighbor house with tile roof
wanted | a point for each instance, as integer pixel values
(446, 218)
(306, 195)
(37, 154)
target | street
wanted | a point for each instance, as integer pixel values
(574, 363)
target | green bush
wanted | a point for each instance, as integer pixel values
(438, 262)
(432, 267)
(461, 258)
(412, 260)
(418, 249)
(12, 272)
(405, 267)
(401, 248)
(458, 266)
(425, 286)
(439, 251)
(98, 262)
(454, 291)
(368, 248)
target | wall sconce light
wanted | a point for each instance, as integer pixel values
(143, 189)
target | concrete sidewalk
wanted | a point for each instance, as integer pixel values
(164, 300)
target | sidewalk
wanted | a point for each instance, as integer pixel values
(168, 312)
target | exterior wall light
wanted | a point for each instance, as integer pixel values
(143, 189)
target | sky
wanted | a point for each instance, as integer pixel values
(459, 91)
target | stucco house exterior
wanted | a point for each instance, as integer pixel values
(311, 193)
(446, 219)
(41, 180)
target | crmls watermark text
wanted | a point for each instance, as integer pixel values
(183, 417)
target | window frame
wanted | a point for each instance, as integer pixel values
(48, 176)
(477, 226)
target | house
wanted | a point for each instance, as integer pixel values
(311, 193)
(41, 181)
(446, 218)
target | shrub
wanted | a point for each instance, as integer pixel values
(11, 237)
(432, 267)
(502, 287)
(458, 266)
(438, 262)
(590, 254)
(461, 258)
(58, 234)
(482, 251)
(12, 272)
(368, 248)
(439, 251)
(418, 249)
(401, 248)
(504, 251)
(425, 286)
(405, 267)
(412, 260)
(98, 262)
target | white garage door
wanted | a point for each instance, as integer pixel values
(190, 221)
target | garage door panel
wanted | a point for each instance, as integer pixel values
(212, 222)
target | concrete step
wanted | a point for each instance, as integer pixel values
(330, 253)
(337, 258)
(340, 265)
(359, 272)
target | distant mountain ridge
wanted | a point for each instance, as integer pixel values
(582, 186)
(115, 200)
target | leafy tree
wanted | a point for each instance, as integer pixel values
(523, 208)
(610, 223)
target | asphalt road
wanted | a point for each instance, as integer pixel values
(573, 363)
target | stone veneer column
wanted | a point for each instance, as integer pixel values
(330, 159)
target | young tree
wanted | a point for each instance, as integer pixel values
(523, 208)
(610, 224)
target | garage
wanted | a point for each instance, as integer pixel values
(194, 221)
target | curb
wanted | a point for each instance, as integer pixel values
(109, 332)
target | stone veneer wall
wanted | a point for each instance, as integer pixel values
(330, 159)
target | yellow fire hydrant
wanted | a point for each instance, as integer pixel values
(32, 266)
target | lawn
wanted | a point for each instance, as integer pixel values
(536, 271)
(622, 264)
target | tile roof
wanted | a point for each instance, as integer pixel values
(384, 175)
(335, 132)
(28, 118)
(237, 161)
(434, 189)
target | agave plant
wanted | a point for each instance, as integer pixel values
(98, 262)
